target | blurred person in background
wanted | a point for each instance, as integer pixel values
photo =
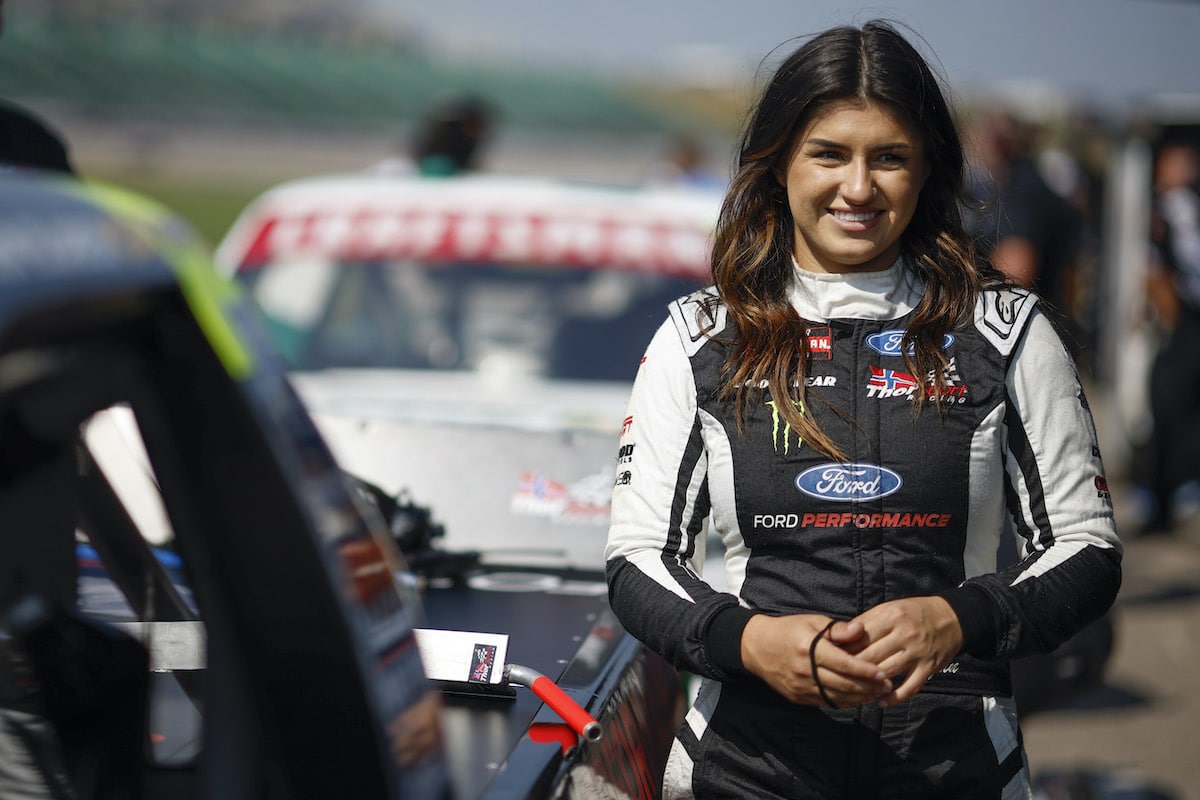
(857, 407)
(1173, 291)
(452, 138)
(686, 166)
(1072, 163)
(1028, 230)
(449, 140)
(26, 142)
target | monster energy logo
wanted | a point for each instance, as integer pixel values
(783, 438)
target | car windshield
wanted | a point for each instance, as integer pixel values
(552, 321)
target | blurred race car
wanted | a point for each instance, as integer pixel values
(474, 337)
(197, 601)
(466, 346)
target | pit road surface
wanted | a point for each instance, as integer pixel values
(1143, 724)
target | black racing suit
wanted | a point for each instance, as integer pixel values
(917, 510)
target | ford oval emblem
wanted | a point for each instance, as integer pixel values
(848, 483)
(887, 343)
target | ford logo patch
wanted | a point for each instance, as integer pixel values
(887, 343)
(848, 483)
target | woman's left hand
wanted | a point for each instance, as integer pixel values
(914, 637)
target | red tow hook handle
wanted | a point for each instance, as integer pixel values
(559, 701)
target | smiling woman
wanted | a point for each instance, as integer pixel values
(858, 409)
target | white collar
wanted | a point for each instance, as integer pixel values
(884, 294)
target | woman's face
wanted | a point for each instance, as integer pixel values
(853, 178)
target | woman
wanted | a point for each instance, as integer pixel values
(858, 408)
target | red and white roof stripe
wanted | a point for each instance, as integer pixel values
(478, 219)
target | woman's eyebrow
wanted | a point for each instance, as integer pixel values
(833, 144)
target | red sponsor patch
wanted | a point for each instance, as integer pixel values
(820, 343)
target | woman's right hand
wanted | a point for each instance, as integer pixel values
(776, 649)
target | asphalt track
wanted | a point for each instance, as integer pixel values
(1137, 736)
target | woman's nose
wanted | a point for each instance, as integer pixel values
(858, 187)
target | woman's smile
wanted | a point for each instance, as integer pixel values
(856, 220)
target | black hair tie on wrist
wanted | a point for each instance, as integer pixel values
(812, 659)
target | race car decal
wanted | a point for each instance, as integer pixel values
(660, 247)
(586, 501)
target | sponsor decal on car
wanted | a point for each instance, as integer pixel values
(848, 483)
(358, 234)
(537, 494)
(586, 501)
(890, 342)
(483, 660)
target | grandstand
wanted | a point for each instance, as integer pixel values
(202, 104)
(199, 62)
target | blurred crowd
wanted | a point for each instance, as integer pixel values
(1038, 209)
(1034, 202)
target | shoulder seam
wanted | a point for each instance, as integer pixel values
(687, 313)
(1002, 314)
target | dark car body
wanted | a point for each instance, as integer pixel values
(274, 652)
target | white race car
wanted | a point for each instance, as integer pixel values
(474, 336)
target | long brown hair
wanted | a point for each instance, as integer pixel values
(752, 253)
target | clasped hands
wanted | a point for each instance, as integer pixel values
(882, 656)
